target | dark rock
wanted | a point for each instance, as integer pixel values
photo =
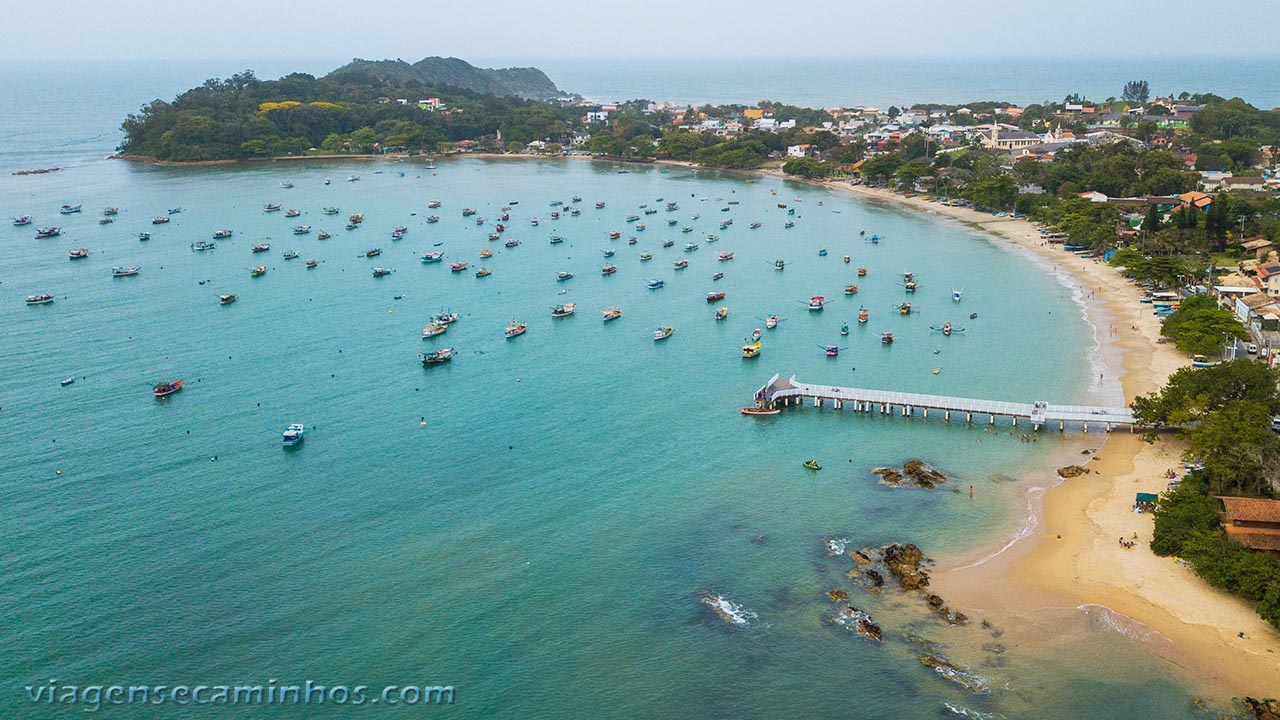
(860, 557)
(1071, 471)
(877, 580)
(888, 476)
(1268, 709)
(837, 595)
(904, 562)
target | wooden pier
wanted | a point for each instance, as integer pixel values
(782, 393)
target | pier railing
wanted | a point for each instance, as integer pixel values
(779, 392)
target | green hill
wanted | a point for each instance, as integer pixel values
(529, 83)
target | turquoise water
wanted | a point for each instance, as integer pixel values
(543, 540)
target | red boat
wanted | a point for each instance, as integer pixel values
(166, 389)
(714, 296)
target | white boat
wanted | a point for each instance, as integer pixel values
(293, 435)
(663, 333)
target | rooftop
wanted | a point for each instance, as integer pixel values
(1251, 509)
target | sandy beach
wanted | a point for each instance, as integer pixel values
(1074, 558)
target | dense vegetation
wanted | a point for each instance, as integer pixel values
(1200, 325)
(244, 117)
(530, 83)
(1224, 413)
(1187, 525)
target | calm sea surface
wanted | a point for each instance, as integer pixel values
(535, 522)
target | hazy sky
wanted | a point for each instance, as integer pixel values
(526, 30)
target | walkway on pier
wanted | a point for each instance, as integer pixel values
(783, 392)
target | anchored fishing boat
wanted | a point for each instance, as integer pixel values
(312, 263)
(483, 272)
(764, 411)
(608, 269)
(433, 329)
(645, 256)
(432, 257)
(226, 299)
(771, 322)
(457, 266)
(515, 329)
(78, 253)
(302, 230)
(260, 248)
(165, 389)
(681, 264)
(863, 315)
(258, 271)
(563, 275)
(724, 255)
(662, 333)
(751, 350)
(69, 209)
(612, 313)
(655, 284)
(202, 245)
(886, 338)
(564, 310)
(293, 435)
(48, 232)
(436, 357)
(271, 207)
(41, 299)
(221, 234)
(125, 271)
(812, 465)
(372, 253)
(850, 289)
(22, 220)
(816, 303)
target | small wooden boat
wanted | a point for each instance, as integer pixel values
(290, 255)
(486, 253)
(724, 255)
(69, 209)
(202, 245)
(721, 313)
(160, 220)
(302, 230)
(662, 333)
(563, 275)
(483, 272)
(312, 263)
(564, 310)
(850, 289)
(433, 329)
(221, 234)
(515, 329)
(556, 240)
(754, 225)
(41, 299)
(144, 236)
(125, 271)
(751, 350)
(48, 232)
(886, 338)
(436, 357)
(511, 243)
(614, 234)
(608, 269)
(717, 276)
(381, 272)
(293, 435)
(78, 253)
(645, 256)
(468, 212)
(764, 411)
(433, 257)
(433, 204)
(755, 335)
(609, 253)
(260, 248)
(323, 235)
(292, 213)
(226, 299)
(779, 265)
(165, 389)
(271, 207)
(816, 302)
(67, 381)
(862, 272)
(863, 315)
(771, 322)
(655, 284)
(812, 465)
(681, 264)
(715, 296)
(258, 271)
(374, 252)
(22, 220)
(668, 243)
(332, 210)
(612, 313)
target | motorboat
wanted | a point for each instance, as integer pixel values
(662, 333)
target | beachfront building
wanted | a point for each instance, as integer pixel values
(1252, 522)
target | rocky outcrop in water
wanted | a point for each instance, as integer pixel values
(904, 562)
(937, 604)
(948, 670)
(915, 473)
(1071, 471)
(1268, 709)
(859, 621)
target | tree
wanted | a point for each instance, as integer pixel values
(1200, 326)
(1152, 222)
(1136, 91)
(515, 146)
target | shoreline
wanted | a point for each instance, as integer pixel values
(1071, 558)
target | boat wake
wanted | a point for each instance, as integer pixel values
(970, 712)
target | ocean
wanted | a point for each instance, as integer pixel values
(538, 522)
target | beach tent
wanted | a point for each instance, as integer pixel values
(1146, 498)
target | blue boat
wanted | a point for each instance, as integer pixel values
(293, 435)
(655, 284)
